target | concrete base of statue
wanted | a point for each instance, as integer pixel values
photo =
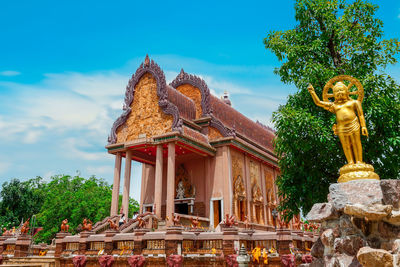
(358, 171)
(360, 224)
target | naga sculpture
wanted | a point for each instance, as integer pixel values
(64, 226)
(349, 118)
(141, 222)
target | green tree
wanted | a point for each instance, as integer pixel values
(20, 200)
(331, 38)
(74, 198)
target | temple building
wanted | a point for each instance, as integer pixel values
(203, 162)
(200, 156)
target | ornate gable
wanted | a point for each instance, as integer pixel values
(206, 111)
(154, 81)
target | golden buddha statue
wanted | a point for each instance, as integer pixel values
(349, 118)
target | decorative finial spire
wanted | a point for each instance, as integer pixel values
(181, 74)
(225, 98)
(147, 60)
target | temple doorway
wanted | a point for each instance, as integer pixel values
(217, 212)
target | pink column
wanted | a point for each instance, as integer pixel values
(158, 180)
(170, 182)
(117, 179)
(127, 182)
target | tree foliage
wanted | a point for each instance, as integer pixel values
(20, 200)
(64, 197)
(332, 38)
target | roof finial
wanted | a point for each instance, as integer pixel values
(182, 73)
(225, 98)
(147, 60)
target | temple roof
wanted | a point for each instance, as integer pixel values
(181, 106)
(233, 119)
(185, 105)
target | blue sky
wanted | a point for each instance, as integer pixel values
(64, 67)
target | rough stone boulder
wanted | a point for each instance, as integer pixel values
(370, 212)
(321, 212)
(391, 192)
(360, 224)
(393, 218)
(317, 250)
(370, 257)
(364, 192)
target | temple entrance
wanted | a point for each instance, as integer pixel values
(217, 212)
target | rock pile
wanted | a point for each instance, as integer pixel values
(360, 225)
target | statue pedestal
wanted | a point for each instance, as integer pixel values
(358, 171)
(360, 223)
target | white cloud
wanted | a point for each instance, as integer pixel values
(9, 73)
(80, 149)
(99, 170)
(63, 102)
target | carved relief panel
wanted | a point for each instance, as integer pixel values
(239, 189)
(269, 186)
(255, 181)
(214, 133)
(146, 116)
(194, 94)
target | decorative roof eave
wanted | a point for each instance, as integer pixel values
(167, 107)
(185, 78)
(199, 146)
(205, 148)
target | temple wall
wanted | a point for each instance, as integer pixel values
(221, 182)
(255, 175)
(146, 116)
